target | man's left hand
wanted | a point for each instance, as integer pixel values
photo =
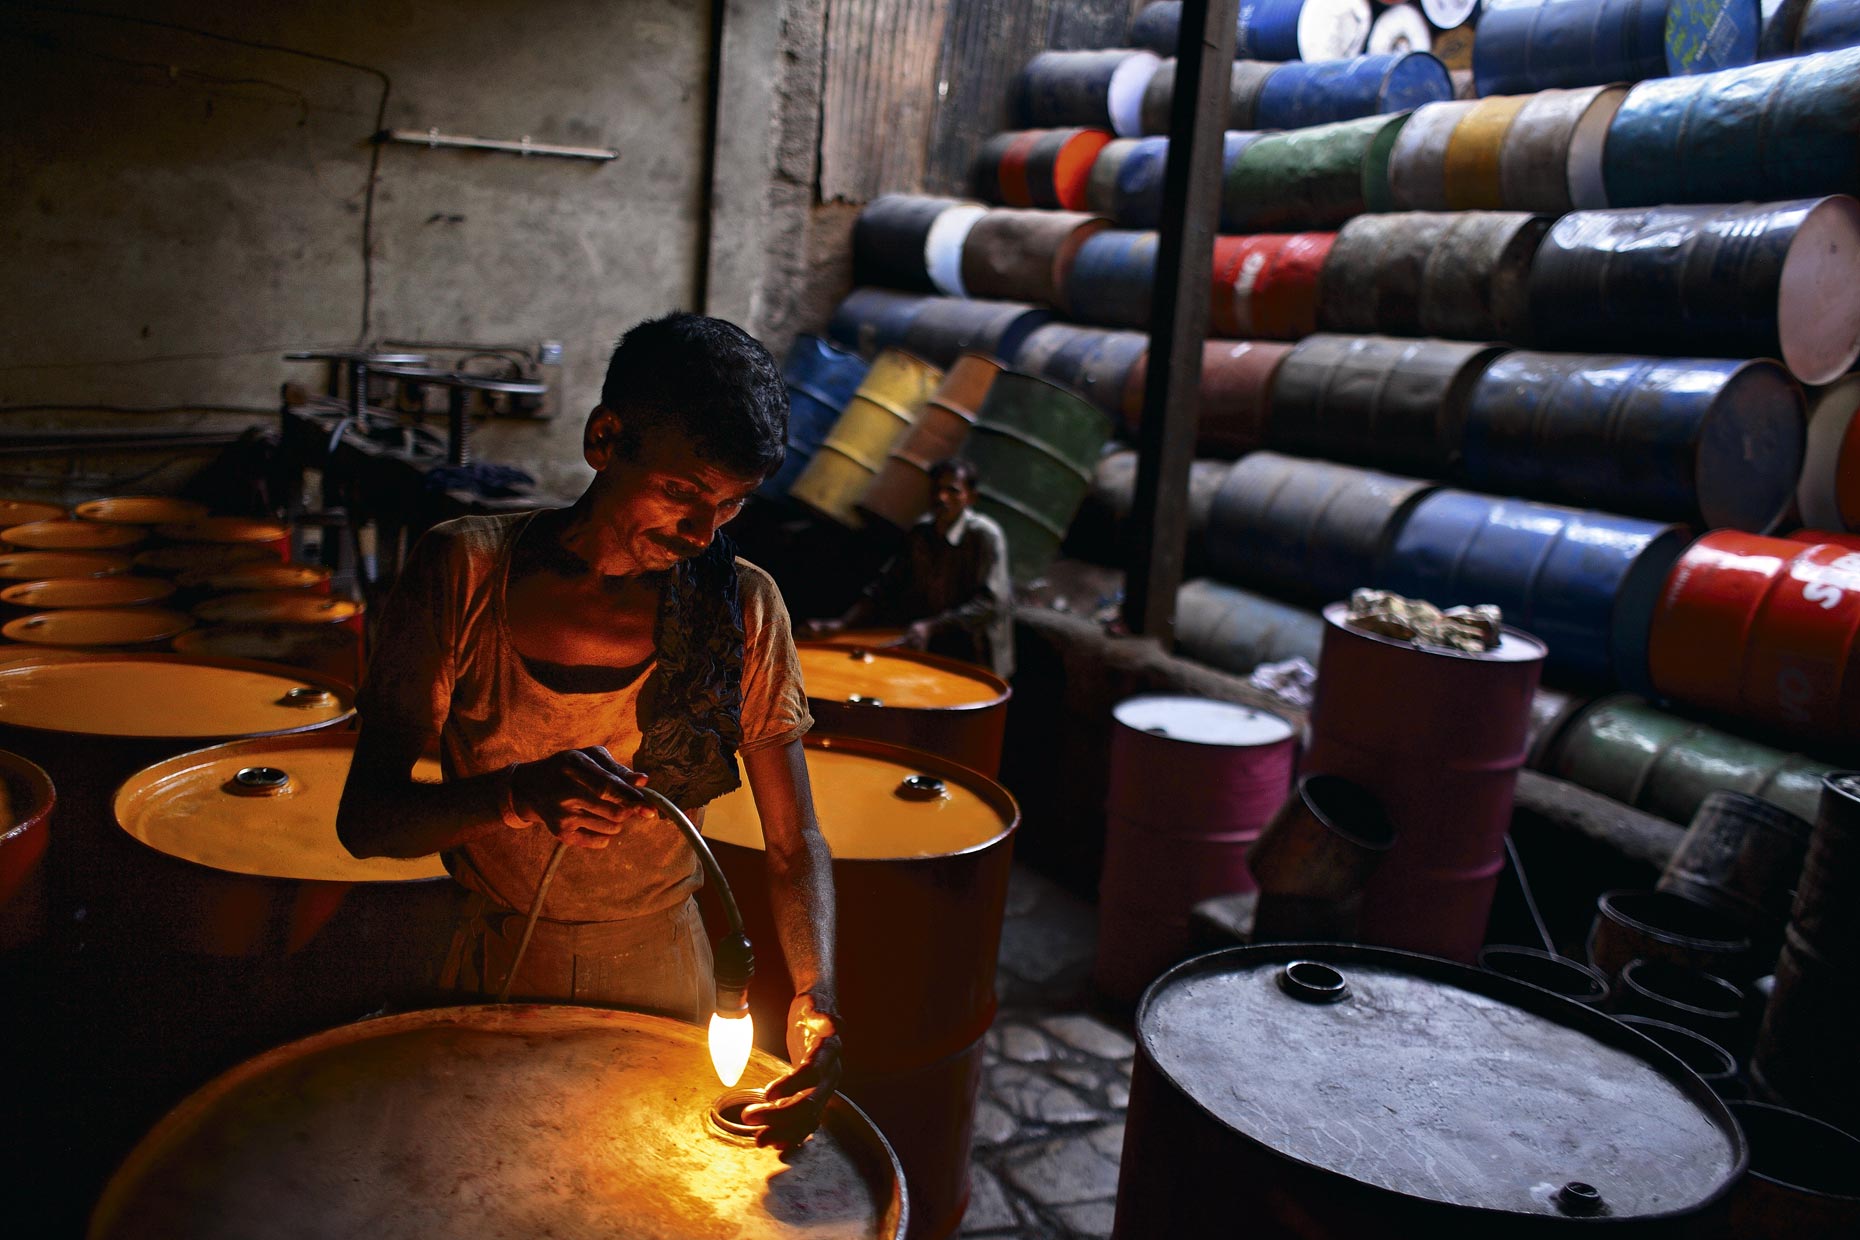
(796, 1102)
(917, 636)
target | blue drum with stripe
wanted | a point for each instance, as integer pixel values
(1111, 279)
(871, 320)
(820, 380)
(1532, 45)
(1318, 92)
(947, 327)
(1584, 583)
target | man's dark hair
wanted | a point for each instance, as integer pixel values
(706, 378)
(959, 468)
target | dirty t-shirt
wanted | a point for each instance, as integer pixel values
(444, 661)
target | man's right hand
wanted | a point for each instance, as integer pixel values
(584, 797)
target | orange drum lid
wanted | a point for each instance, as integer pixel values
(869, 812)
(141, 510)
(895, 678)
(225, 530)
(264, 807)
(270, 643)
(12, 654)
(22, 511)
(265, 574)
(72, 535)
(201, 557)
(576, 1122)
(166, 696)
(115, 591)
(97, 626)
(277, 607)
(39, 565)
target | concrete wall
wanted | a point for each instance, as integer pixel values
(180, 209)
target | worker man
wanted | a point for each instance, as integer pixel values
(557, 658)
(949, 582)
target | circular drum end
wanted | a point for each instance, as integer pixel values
(1752, 441)
(1818, 300)
(1128, 82)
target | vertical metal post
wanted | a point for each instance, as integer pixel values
(1179, 313)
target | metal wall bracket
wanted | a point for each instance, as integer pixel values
(432, 138)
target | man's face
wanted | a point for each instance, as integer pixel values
(665, 503)
(950, 497)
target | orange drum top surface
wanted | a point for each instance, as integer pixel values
(575, 1122)
(201, 557)
(263, 574)
(225, 530)
(835, 673)
(73, 535)
(192, 807)
(277, 607)
(39, 565)
(21, 511)
(864, 817)
(113, 591)
(97, 626)
(141, 510)
(161, 696)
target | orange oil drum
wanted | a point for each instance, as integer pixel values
(20, 511)
(232, 530)
(67, 534)
(922, 701)
(294, 609)
(326, 650)
(141, 510)
(256, 575)
(921, 853)
(1764, 628)
(98, 628)
(54, 593)
(242, 842)
(565, 1121)
(200, 557)
(26, 801)
(41, 565)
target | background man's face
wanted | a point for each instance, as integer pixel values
(950, 497)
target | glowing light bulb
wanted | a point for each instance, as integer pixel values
(730, 1039)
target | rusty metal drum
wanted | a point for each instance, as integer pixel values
(40, 565)
(1236, 383)
(1024, 255)
(98, 628)
(70, 534)
(601, 1121)
(1474, 1105)
(117, 590)
(905, 697)
(900, 493)
(879, 414)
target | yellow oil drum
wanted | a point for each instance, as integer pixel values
(881, 411)
(1473, 170)
(141, 510)
(905, 697)
(21, 511)
(119, 590)
(564, 1121)
(68, 534)
(26, 802)
(98, 628)
(254, 575)
(900, 493)
(40, 565)
(177, 558)
(232, 530)
(293, 609)
(921, 852)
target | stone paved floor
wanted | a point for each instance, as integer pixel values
(1049, 1126)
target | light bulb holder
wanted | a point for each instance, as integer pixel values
(735, 967)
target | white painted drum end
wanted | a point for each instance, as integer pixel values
(1587, 191)
(1333, 29)
(943, 247)
(1128, 82)
(1818, 300)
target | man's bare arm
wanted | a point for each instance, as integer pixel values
(800, 868)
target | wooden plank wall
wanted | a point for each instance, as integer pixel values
(913, 87)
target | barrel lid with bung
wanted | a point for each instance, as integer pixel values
(1202, 721)
(277, 607)
(1436, 1081)
(265, 574)
(112, 591)
(881, 802)
(225, 530)
(40, 565)
(97, 626)
(22, 511)
(189, 557)
(73, 535)
(166, 696)
(1514, 645)
(141, 510)
(265, 807)
(895, 678)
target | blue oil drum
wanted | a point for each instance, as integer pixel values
(1111, 279)
(1707, 442)
(1584, 583)
(1778, 130)
(1136, 187)
(1531, 45)
(1093, 89)
(1268, 29)
(1319, 92)
(1703, 36)
(820, 379)
(872, 320)
(947, 327)
(889, 241)
(1828, 25)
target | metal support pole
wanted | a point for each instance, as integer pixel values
(1179, 314)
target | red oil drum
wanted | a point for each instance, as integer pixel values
(954, 709)
(1011, 168)
(1439, 737)
(1812, 537)
(564, 1120)
(293, 609)
(40, 565)
(1236, 383)
(21, 511)
(26, 801)
(256, 575)
(1193, 782)
(242, 855)
(73, 535)
(236, 531)
(921, 853)
(141, 510)
(98, 628)
(199, 557)
(120, 590)
(1266, 285)
(1059, 165)
(1764, 628)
